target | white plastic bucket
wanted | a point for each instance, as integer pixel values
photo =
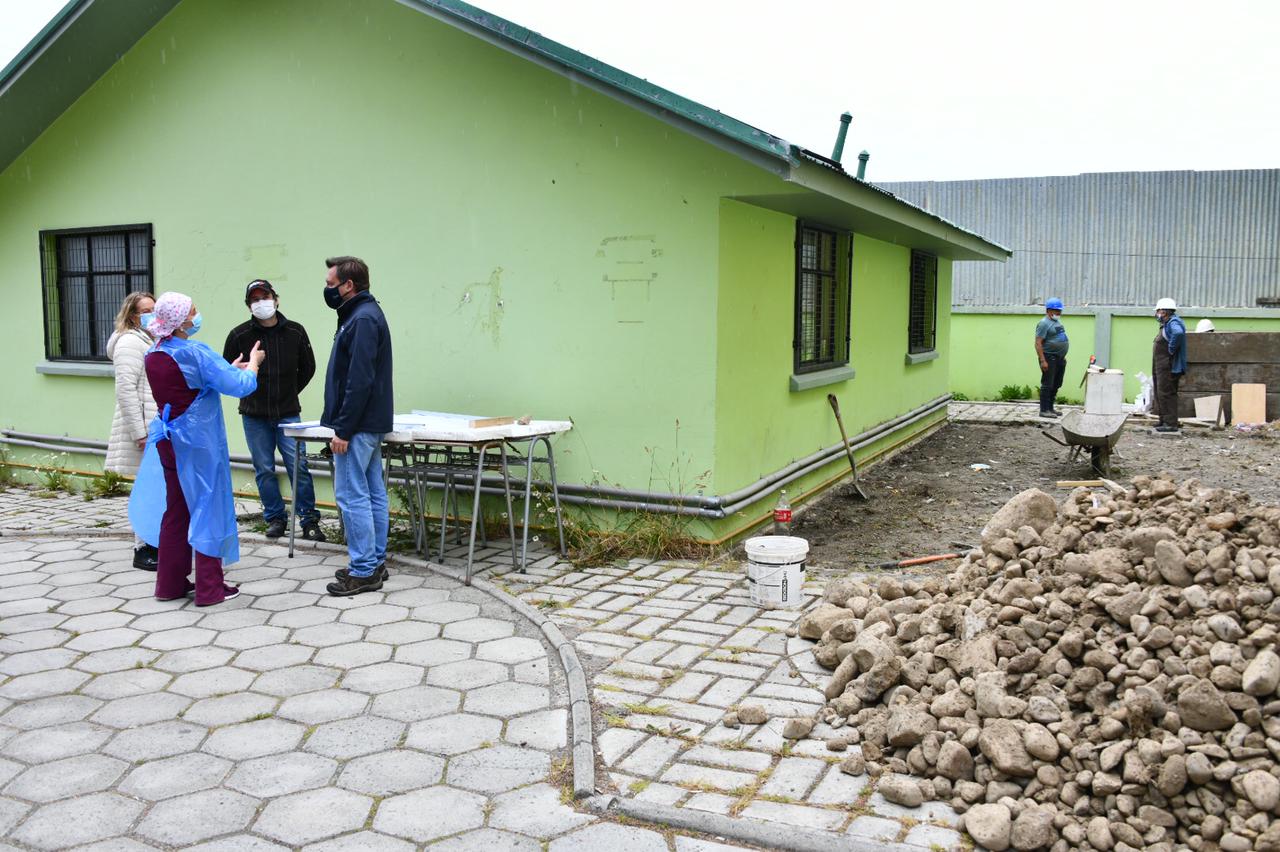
(775, 570)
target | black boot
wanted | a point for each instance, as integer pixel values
(381, 572)
(145, 557)
(350, 586)
(275, 528)
(312, 532)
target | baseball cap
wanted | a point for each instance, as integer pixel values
(259, 284)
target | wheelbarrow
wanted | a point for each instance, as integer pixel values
(1097, 433)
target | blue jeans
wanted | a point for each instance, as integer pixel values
(362, 500)
(264, 438)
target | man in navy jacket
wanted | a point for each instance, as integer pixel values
(358, 404)
(1168, 363)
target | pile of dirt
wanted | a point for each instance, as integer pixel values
(1099, 674)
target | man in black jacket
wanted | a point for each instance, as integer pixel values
(275, 402)
(358, 406)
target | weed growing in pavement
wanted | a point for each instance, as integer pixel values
(7, 477)
(638, 786)
(110, 484)
(647, 709)
(1008, 393)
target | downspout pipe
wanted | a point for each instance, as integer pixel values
(862, 164)
(712, 508)
(836, 152)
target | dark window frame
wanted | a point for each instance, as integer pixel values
(829, 346)
(55, 286)
(922, 311)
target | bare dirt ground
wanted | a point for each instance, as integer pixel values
(927, 499)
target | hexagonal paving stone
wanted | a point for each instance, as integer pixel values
(193, 659)
(453, 734)
(45, 712)
(238, 843)
(353, 737)
(433, 652)
(289, 600)
(416, 597)
(546, 729)
(537, 811)
(127, 683)
(295, 680)
(71, 776)
(93, 621)
(611, 836)
(175, 776)
(254, 739)
(305, 617)
(101, 640)
(467, 674)
(177, 639)
(370, 616)
(257, 636)
(416, 702)
(141, 709)
(159, 740)
(43, 684)
(273, 657)
(306, 817)
(391, 772)
(361, 841)
(478, 629)
(48, 744)
(427, 814)
(383, 677)
(48, 659)
(498, 769)
(446, 612)
(402, 632)
(325, 705)
(116, 660)
(207, 683)
(483, 839)
(234, 619)
(282, 774)
(353, 654)
(165, 620)
(83, 819)
(230, 709)
(197, 816)
(324, 635)
(514, 649)
(507, 699)
(39, 639)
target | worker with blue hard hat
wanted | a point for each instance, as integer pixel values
(1051, 352)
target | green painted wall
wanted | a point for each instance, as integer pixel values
(538, 247)
(761, 424)
(993, 350)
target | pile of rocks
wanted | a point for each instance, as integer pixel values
(1098, 675)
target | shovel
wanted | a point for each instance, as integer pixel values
(835, 406)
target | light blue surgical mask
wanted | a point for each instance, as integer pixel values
(145, 320)
(196, 322)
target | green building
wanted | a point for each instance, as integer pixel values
(547, 234)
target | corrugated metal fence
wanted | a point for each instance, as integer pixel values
(1121, 238)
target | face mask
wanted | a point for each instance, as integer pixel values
(264, 309)
(145, 320)
(196, 322)
(332, 297)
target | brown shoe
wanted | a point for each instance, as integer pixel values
(349, 586)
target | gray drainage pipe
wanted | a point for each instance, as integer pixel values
(618, 499)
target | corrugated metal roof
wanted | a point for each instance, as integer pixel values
(1118, 238)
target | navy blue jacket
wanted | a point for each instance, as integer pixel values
(1175, 332)
(357, 388)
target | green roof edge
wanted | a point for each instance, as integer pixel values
(616, 78)
(40, 38)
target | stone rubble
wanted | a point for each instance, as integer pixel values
(1098, 675)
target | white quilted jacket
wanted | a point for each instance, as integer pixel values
(134, 404)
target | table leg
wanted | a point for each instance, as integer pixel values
(293, 503)
(528, 498)
(511, 518)
(555, 491)
(475, 511)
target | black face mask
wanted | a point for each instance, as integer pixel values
(332, 297)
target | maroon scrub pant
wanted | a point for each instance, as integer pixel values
(174, 561)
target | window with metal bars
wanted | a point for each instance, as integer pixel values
(922, 326)
(822, 299)
(85, 274)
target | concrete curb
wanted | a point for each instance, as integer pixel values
(584, 757)
(770, 835)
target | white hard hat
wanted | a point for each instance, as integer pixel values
(1166, 304)
(1204, 325)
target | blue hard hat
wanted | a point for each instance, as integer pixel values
(1054, 304)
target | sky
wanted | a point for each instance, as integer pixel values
(939, 90)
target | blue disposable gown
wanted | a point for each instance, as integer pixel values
(199, 439)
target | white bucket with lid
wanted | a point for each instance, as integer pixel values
(775, 570)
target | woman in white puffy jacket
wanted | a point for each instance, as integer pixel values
(135, 407)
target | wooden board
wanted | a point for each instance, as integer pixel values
(1248, 403)
(1235, 347)
(1211, 378)
(1207, 407)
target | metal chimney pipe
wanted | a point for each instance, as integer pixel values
(845, 118)
(862, 165)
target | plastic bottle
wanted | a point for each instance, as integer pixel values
(782, 516)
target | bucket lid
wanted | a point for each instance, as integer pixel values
(777, 549)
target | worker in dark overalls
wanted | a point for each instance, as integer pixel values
(1168, 363)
